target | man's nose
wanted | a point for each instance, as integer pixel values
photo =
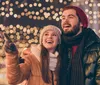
(66, 19)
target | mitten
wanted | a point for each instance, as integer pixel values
(9, 46)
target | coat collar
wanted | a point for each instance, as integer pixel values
(36, 50)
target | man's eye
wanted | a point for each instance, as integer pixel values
(71, 17)
(63, 18)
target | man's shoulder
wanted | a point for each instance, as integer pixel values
(94, 46)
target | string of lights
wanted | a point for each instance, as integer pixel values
(24, 19)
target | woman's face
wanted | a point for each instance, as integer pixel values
(50, 40)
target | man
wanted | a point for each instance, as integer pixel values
(80, 49)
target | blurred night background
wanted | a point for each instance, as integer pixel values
(23, 20)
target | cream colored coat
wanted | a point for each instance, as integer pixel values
(30, 69)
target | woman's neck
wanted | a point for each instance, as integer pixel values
(51, 50)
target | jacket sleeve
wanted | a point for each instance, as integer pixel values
(16, 72)
(98, 69)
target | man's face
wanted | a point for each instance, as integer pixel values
(70, 22)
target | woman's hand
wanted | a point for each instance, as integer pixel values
(9, 46)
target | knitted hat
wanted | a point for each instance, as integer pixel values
(80, 13)
(50, 27)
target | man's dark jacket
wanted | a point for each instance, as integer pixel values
(90, 61)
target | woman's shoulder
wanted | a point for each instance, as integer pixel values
(35, 47)
(29, 49)
(26, 51)
(36, 50)
(33, 50)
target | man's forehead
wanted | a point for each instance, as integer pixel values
(69, 12)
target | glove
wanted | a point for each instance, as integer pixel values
(9, 46)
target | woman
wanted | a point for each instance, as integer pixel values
(41, 64)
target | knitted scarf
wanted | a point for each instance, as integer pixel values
(71, 72)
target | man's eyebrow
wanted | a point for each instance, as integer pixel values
(71, 15)
(68, 15)
(62, 16)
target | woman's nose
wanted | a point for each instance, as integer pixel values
(49, 36)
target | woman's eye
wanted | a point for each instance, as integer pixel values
(54, 35)
(45, 34)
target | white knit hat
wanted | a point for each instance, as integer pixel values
(50, 27)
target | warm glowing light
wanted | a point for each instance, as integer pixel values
(90, 4)
(48, 10)
(60, 13)
(86, 2)
(11, 26)
(25, 4)
(7, 2)
(15, 15)
(90, 12)
(33, 12)
(19, 16)
(42, 18)
(11, 9)
(98, 4)
(60, 1)
(18, 26)
(38, 17)
(46, 0)
(30, 5)
(2, 8)
(41, 11)
(35, 4)
(37, 13)
(11, 4)
(91, 21)
(16, 2)
(3, 3)
(30, 16)
(51, 6)
(99, 31)
(53, 12)
(65, 2)
(86, 10)
(51, 0)
(57, 19)
(2, 13)
(22, 5)
(22, 13)
(25, 9)
(39, 5)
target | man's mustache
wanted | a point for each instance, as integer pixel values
(68, 24)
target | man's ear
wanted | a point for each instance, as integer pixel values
(81, 25)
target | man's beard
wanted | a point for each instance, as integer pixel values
(73, 32)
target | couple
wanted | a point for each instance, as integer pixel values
(70, 56)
